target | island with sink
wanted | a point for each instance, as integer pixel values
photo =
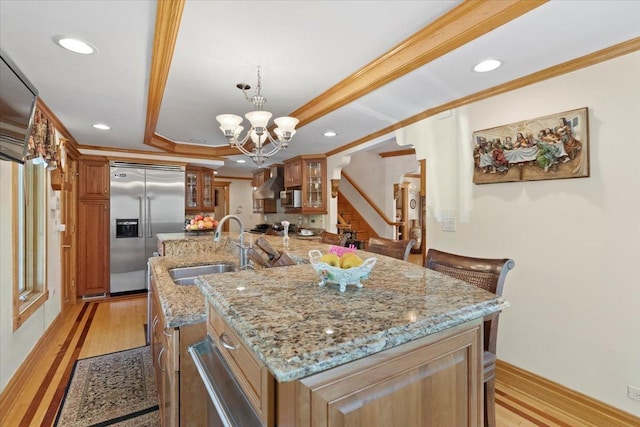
(405, 349)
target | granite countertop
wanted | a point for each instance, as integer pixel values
(185, 305)
(297, 328)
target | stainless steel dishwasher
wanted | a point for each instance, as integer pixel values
(227, 404)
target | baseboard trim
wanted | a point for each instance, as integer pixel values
(10, 393)
(579, 405)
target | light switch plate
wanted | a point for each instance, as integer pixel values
(448, 223)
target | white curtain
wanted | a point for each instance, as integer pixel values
(445, 142)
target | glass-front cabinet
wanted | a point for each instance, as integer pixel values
(308, 174)
(191, 190)
(314, 183)
(207, 192)
(199, 188)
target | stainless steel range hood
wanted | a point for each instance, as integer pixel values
(271, 188)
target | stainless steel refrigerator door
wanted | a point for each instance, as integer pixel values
(128, 262)
(165, 206)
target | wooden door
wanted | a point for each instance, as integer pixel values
(93, 247)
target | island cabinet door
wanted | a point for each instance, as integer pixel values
(418, 384)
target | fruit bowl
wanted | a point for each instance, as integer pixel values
(199, 231)
(340, 276)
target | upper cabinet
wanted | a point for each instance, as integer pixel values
(199, 190)
(293, 173)
(93, 178)
(308, 174)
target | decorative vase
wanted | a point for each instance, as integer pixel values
(415, 233)
(285, 239)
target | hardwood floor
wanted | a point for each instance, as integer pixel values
(87, 329)
(99, 327)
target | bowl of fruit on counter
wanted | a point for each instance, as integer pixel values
(201, 224)
(341, 266)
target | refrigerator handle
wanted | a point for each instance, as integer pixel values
(149, 217)
(140, 232)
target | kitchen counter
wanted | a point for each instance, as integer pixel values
(185, 244)
(184, 305)
(297, 328)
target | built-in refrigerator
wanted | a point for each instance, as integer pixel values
(145, 200)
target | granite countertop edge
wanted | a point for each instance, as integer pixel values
(300, 367)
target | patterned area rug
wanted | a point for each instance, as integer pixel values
(116, 389)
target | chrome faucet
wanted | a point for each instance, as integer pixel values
(243, 249)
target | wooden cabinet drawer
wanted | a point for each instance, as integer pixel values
(254, 378)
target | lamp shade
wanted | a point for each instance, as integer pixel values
(286, 124)
(258, 140)
(228, 121)
(258, 119)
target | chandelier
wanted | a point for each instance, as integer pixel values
(258, 133)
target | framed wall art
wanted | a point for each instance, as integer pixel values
(549, 147)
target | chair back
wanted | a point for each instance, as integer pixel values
(394, 248)
(333, 238)
(485, 273)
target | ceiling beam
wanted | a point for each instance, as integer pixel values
(168, 17)
(468, 21)
(461, 25)
(572, 65)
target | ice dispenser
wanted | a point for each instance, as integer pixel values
(126, 227)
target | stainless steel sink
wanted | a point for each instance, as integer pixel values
(187, 275)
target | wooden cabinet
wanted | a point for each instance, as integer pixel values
(293, 173)
(93, 247)
(432, 381)
(199, 191)
(262, 205)
(180, 390)
(308, 174)
(251, 375)
(93, 226)
(93, 179)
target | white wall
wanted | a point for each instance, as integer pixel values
(241, 202)
(575, 292)
(375, 176)
(15, 346)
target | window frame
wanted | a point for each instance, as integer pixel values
(30, 287)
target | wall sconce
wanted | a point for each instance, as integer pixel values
(334, 188)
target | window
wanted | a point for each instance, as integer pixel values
(30, 240)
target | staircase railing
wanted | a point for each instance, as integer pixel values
(371, 202)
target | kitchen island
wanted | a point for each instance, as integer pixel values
(403, 350)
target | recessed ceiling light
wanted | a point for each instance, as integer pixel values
(487, 65)
(215, 172)
(74, 45)
(329, 133)
(101, 126)
(241, 161)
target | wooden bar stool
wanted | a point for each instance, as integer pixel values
(398, 249)
(333, 238)
(488, 274)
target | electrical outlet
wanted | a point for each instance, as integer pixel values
(634, 392)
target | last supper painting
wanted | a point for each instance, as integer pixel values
(548, 147)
